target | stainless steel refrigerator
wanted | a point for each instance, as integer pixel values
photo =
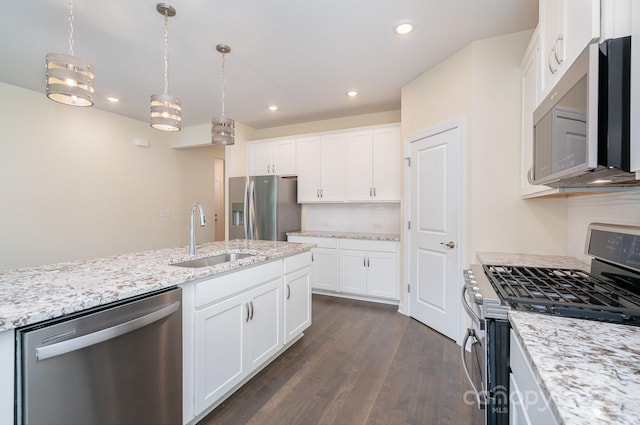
(263, 207)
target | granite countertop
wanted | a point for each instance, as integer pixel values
(30, 295)
(590, 371)
(531, 260)
(348, 235)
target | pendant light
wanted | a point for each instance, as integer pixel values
(166, 110)
(69, 79)
(222, 128)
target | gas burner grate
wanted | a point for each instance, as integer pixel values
(564, 292)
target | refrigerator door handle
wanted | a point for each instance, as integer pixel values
(245, 210)
(252, 210)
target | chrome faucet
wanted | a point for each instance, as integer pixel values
(203, 221)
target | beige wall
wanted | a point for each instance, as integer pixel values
(329, 125)
(481, 84)
(74, 185)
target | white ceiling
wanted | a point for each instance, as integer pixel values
(302, 55)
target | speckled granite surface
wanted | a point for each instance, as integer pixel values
(30, 295)
(589, 370)
(531, 260)
(348, 235)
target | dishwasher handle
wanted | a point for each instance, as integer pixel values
(43, 353)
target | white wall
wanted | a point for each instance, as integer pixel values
(73, 185)
(367, 218)
(481, 83)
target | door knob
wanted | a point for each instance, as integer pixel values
(451, 244)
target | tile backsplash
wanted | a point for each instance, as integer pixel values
(366, 218)
(616, 208)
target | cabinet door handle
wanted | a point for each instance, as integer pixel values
(273, 168)
(288, 291)
(268, 168)
(552, 67)
(322, 193)
(251, 304)
(317, 193)
(558, 49)
(370, 191)
(368, 262)
(246, 319)
(374, 192)
(312, 257)
(364, 261)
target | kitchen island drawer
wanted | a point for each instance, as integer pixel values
(297, 262)
(218, 288)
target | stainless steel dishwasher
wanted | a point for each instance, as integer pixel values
(121, 364)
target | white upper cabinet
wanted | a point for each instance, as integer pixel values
(276, 157)
(530, 100)
(566, 28)
(373, 165)
(321, 168)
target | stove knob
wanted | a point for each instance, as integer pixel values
(478, 298)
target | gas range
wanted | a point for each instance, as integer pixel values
(568, 292)
(609, 291)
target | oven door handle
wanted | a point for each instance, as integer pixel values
(479, 397)
(474, 316)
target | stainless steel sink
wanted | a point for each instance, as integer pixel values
(212, 261)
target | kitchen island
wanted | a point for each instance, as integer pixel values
(33, 294)
(586, 372)
(36, 294)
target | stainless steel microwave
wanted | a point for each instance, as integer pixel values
(581, 129)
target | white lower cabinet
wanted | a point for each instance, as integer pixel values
(324, 261)
(353, 272)
(357, 268)
(297, 297)
(527, 403)
(368, 268)
(235, 324)
(233, 337)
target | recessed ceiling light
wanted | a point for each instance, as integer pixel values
(113, 99)
(404, 27)
(273, 108)
(352, 93)
(601, 181)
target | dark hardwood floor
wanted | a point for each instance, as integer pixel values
(358, 363)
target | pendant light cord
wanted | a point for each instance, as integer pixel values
(223, 83)
(166, 52)
(70, 7)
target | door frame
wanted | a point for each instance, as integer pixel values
(456, 122)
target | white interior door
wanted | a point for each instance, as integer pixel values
(435, 220)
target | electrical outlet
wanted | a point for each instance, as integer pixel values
(164, 212)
